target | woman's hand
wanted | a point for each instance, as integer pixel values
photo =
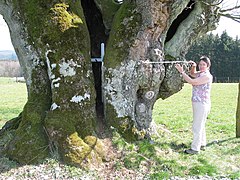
(192, 63)
(179, 68)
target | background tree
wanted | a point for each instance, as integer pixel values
(54, 41)
(224, 52)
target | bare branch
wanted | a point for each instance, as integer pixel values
(230, 9)
(235, 18)
(210, 4)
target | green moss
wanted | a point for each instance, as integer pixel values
(29, 144)
(62, 126)
(72, 43)
(169, 58)
(5, 138)
(68, 133)
(126, 25)
(108, 9)
(97, 145)
(47, 23)
(63, 18)
(67, 122)
(34, 14)
(76, 150)
(12, 124)
(91, 140)
(124, 125)
(67, 30)
(68, 129)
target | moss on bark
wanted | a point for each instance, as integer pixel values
(124, 125)
(59, 35)
(108, 9)
(125, 27)
(74, 137)
(34, 14)
(63, 18)
(30, 143)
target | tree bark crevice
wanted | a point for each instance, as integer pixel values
(98, 34)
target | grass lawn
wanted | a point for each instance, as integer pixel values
(165, 158)
(174, 117)
(13, 96)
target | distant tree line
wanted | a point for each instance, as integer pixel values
(8, 55)
(224, 52)
(10, 68)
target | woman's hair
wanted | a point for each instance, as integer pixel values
(206, 60)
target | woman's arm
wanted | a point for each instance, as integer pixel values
(197, 81)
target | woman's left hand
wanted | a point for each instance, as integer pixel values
(179, 68)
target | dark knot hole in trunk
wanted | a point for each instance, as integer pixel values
(180, 18)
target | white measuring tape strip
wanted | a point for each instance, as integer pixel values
(164, 62)
(185, 63)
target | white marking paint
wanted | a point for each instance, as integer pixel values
(78, 99)
(54, 106)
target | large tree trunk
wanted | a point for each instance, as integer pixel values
(147, 31)
(54, 43)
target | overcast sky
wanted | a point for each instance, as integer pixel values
(232, 28)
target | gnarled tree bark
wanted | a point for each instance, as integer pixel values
(54, 42)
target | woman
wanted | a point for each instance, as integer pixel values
(201, 81)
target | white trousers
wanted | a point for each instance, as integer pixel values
(200, 113)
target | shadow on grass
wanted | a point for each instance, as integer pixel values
(182, 146)
(6, 164)
(219, 142)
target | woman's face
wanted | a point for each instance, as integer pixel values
(202, 66)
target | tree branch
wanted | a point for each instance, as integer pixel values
(235, 18)
(230, 9)
(210, 4)
(228, 12)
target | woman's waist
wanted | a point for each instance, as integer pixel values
(202, 99)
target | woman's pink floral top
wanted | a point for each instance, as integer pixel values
(201, 93)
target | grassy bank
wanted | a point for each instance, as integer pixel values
(163, 158)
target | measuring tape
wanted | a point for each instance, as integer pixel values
(164, 62)
(185, 63)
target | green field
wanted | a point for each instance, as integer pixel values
(165, 157)
(175, 113)
(13, 96)
(174, 117)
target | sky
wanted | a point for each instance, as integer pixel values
(231, 27)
